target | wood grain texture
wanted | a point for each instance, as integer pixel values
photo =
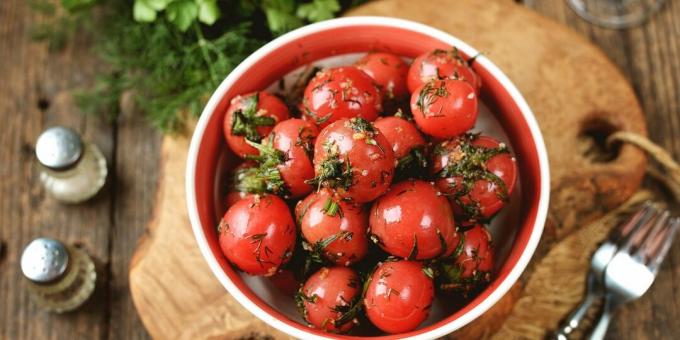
(568, 82)
(174, 290)
(35, 93)
(552, 291)
(649, 57)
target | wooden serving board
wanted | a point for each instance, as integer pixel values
(578, 96)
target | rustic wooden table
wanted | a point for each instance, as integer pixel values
(36, 92)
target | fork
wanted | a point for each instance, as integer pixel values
(634, 267)
(601, 257)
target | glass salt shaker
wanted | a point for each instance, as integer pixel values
(60, 278)
(71, 171)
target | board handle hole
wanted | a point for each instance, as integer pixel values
(592, 140)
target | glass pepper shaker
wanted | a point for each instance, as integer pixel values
(71, 171)
(60, 278)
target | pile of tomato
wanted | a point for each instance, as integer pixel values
(367, 196)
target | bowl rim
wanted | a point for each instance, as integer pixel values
(526, 113)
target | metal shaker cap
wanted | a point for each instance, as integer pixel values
(58, 147)
(44, 260)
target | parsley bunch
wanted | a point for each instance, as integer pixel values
(171, 54)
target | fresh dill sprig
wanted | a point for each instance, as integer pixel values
(170, 54)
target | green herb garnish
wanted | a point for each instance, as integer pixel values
(467, 163)
(266, 176)
(170, 54)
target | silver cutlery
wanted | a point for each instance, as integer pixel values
(628, 236)
(634, 267)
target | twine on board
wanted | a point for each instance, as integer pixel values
(665, 169)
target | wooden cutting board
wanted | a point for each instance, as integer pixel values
(578, 96)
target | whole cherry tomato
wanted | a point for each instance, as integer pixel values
(445, 108)
(399, 296)
(352, 157)
(413, 221)
(329, 300)
(284, 161)
(251, 117)
(388, 71)
(334, 228)
(409, 146)
(477, 173)
(472, 268)
(441, 64)
(341, 92)
(257, 234)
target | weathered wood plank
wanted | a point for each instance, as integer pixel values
(109, 225)
(649, 56)
(137, 166)
(34, 94)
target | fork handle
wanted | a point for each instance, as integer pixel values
(600, 329)
(576, 316)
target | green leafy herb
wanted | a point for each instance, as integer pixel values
(257, 240)
(429, 272)
(305, 140)
(332, 171)
(317, 251)
(266, 176)
(332, 208)
(429, 94)
(246, 120)
(301, 298)
(318, 10)
(169, 54)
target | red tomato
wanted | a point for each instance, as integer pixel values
(413, 221)
(445, 108)
(257, 234)
(402, 135)
(295, 138)
(284, 161)
(409, 146)
(352, 157)
(335, 229)
(284, 280)
(441, 64)
(328, 300)
(473, 267)
(341, 92)
(478, 173)
(252, 116)
(388, 71)
(399, 296)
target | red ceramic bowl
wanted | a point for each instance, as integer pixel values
(505, 115)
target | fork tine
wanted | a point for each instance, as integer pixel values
(636, 228)
(646, 244)
(662, 245)
(625, 229)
